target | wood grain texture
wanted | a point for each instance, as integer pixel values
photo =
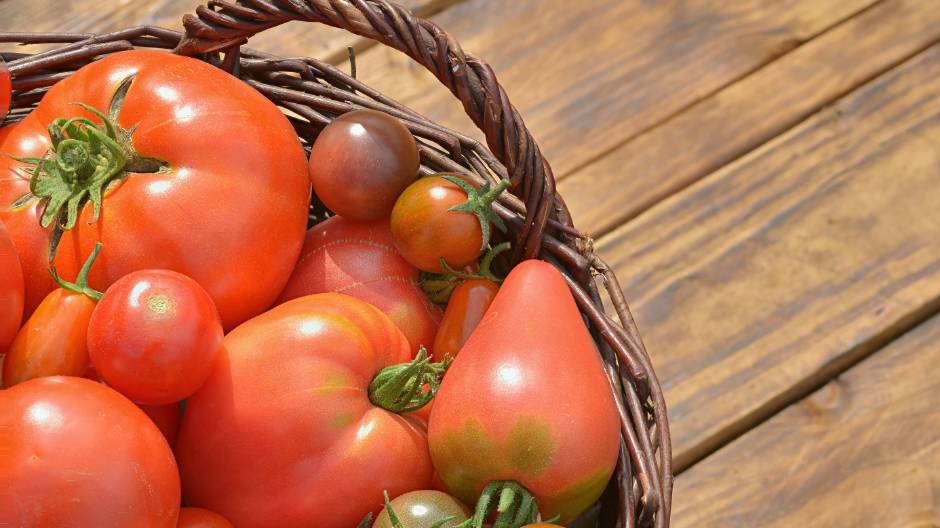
(862, 451)
(99, 16)
(764, 279)
(748, 113)
(588, 75)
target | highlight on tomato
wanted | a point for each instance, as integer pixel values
(442, 218)
(77, 453)
(361, 162)
(523, 434)
(303, 418)
(53, 340)
(168, 161)
(154, 336)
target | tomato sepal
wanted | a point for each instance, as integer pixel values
(407, 387)
(81, 281)
(480, 204)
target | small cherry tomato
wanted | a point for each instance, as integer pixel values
(11, 289)
(443, 217)
(154, 336)
(466, 307)
(361, 162)
(201, 518)
(423, 509)
(52, 342)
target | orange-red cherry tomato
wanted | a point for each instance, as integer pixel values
(201, 518)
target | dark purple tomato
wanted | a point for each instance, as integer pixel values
(361, 162)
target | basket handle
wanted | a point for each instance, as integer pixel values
(224, 26)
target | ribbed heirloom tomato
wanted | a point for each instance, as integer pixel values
(285, 427)
(194, 170)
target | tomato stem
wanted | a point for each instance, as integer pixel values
(407, 387)
(480, 204)
(439, 286)
(514, 506)
(84, 159)
(81, 281)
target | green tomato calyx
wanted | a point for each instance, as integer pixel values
(439, 286)
(407, 387)
(480, 204)
(81, 281)
(513, 505)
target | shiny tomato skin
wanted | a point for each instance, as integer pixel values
(201, 518)
(165, 417)
(422, 509)
(11, 291)
(154, 336)
(522, 424)
(284, 429)
(425, 231)
(230, 212)
(361, 162)
(76, 453)
(465, 310)
(53, 340)
(359, 259)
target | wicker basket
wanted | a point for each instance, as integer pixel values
(539, 224)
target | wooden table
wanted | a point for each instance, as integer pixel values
(764, 176)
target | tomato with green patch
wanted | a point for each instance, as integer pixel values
(542, 415)
(299, 420)
(171, 163)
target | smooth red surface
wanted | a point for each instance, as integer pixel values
(468, 302)
(527, 399)
(154, 336)
(53, 340)
(165, 417)
(425, 231)
(359, 259)
(231, 212)
(201, 518)
(77, 453)
(11, 291)
(361, 162)
(283, 428)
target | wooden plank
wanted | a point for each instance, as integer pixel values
(769, 276)
(746, 114)
(862, 451)
(99, 16)
(586, 76)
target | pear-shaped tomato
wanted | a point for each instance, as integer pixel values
(527, 401)
(285, 432)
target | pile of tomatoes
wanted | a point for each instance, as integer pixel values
(181, 351)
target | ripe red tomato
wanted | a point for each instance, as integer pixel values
(154, 336)
(77, 453)
(359, 259)
(226, 206)
(424, 509)
(361, 162)
(166, 418)
(427, 227)
(465, 310)
(284, 427)
(11, 291)
(561, 445)
(200, 518)
(53, 340)
(6, 90)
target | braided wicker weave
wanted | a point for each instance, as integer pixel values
(314, 93)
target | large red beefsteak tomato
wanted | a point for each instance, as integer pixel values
(283, 433)
(527, 400)
(210, 181)
(76, 453)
